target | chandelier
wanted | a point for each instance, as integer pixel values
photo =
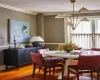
(72, 18)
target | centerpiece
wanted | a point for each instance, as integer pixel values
(67, 46)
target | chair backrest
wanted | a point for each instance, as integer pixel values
(95, 49)
(89, 61)
(41, 51)
(79, 48)
(37, 59)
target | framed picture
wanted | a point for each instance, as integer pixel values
(18, 30)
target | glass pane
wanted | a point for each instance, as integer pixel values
(83, 27)
(97, 27)
(83, 40)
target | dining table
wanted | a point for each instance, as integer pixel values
(62, 54)
(70, 56)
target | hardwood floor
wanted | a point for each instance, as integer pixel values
(25, 73)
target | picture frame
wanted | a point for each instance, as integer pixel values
(18, 31)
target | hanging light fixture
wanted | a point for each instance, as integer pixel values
(72, 18)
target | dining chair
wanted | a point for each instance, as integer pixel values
(95, 49)
(39, 62)
(50, 59)
(79, 48)
(74, 61)
(86, 64)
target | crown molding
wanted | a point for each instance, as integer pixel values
(70, 12)
(17, 9)
(45, 13)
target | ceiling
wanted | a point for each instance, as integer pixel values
(44, 6)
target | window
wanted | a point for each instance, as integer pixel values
(97, 33)
(97, 26)
(83, 28)
(86, 34)
(82, 35)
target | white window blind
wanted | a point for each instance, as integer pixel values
(87, 34)
(97, 33)
(82, 35)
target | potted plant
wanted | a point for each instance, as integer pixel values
(67, 46)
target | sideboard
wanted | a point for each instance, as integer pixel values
(17, 57)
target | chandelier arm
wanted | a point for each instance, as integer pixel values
(70, 19)
(77, 25)
(76, 20)
(66, 19)
(73, 17)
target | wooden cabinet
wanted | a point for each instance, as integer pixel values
(17, 57)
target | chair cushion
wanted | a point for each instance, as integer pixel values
(95, 49)
(74, 68)
(53, 59)
(41, 51)
(48, 65)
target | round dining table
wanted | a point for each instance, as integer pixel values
(72, 55)
(62, 54)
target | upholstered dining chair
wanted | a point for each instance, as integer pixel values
(39, 62)
(50, 59)
(76, 60)
(55, 59)
(79, 48)
(95, 49)
(86, 64)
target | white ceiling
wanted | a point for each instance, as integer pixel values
(52, 5)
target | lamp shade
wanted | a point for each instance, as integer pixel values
(36, 38)
(84, 19)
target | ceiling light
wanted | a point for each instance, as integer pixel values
(72, 18)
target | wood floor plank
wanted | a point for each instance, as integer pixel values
(25, 73)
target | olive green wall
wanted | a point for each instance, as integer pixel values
(6, 14)
(53, 29)
(40, 24)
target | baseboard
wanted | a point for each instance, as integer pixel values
(3, 67)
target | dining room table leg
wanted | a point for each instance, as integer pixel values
(67, 62)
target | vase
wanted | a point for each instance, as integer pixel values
(68, 51)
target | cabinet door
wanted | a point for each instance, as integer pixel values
(28, 56)
(22, 56)
(11, 57)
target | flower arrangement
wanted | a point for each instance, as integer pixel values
(67, 46)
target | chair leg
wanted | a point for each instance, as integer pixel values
(62, 73)
(53, 70)
(91, 75)
(68, 73)
(45, 70)
(97, 75)
(39, 69)
(34, 69)
(49, 70)
(77, 75)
